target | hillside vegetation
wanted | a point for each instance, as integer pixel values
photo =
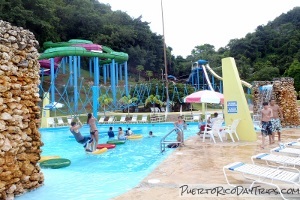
(271, 51)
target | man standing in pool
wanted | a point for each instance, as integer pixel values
(91, 120)
(85, 140)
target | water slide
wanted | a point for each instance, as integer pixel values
(248, 85)
(77, 47)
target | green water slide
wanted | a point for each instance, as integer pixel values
(71, 42)
(106, 56)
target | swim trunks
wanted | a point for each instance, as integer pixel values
(266, 128)
(276, 125)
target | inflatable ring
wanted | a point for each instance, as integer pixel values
(134, 137)
(55, 163)
(108, 146)
(43, 158)
(98, 151)
(116, 142)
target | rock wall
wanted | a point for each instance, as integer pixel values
(20, 140)
(284, 93)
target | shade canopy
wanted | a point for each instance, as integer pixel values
(53, 105)
(205, 96)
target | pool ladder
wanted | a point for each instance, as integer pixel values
(163, 141)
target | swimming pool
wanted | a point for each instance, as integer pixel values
(101, 176)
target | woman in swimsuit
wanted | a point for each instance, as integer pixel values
(91, 121)
(180, 125)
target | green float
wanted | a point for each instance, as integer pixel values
(55, 163)
(116, 142)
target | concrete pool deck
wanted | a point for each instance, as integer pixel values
(201, 163)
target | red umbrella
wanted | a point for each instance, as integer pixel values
(205, 96)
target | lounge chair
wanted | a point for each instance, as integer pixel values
(60, 122)
(144, 119)
(50, 122)
(293, 144)
(101, 120)
(263, 174)
(216, 129)
(277, 159)
(122, 119)
(231, 129)
(156, 109)
(152, 109)
(111, 120)
(286, 150)
(134, 119)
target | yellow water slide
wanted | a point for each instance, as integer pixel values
(248, 85)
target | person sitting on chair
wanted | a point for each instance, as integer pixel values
(85, 140)
(211, 121)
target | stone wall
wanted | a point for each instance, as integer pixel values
(20, 140)
(283, 91)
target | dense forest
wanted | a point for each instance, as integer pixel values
(271, 51)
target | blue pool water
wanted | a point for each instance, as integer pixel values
(101, 176)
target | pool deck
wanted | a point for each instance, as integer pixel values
(201, 163)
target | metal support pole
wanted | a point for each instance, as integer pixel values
(78, 65)
(71, 70)
(113, 81)
(126, 78)
(90, 67)
(104, 73)
(75, 85)
(52, 80)
(117, 73)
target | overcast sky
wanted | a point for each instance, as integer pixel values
(190, 23)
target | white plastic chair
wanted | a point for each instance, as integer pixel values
(196, 118)
(162, 109)
(50, 122)
(216, 129)
(231, 129)
(69, 120)
(152, 109)
(156, 109)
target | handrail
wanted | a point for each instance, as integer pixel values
(163, 142)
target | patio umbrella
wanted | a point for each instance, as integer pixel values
(205, 96)
(53, 106)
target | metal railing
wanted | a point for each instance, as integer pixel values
(163, 141)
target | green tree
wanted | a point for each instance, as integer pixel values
(294, 72)
(153, 99)
(140, 68)
(149, 74)
(127, 100)
(104, 101)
